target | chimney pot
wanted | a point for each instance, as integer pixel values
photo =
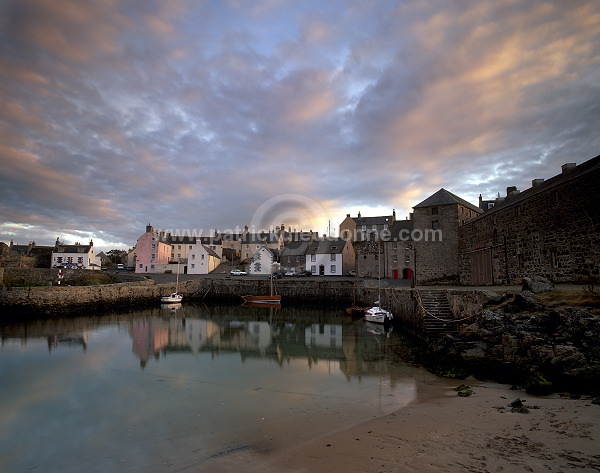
(537, 182)
(568, 167)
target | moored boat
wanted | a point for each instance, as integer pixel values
(378, 315)
(174, 297)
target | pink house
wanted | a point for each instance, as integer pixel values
(151, 251)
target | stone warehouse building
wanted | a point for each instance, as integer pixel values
(551, 229)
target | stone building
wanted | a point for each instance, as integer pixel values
(366, 228)
(551, 229)
(434, 236)
(399, 251)
(370, 262)
(293, 256)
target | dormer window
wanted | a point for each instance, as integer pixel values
(434, 210)
(334, 247)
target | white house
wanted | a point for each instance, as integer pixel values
(330, 257)
(263, 262)
(202, 259)
(74, 256)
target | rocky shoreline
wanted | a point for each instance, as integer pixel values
(524, 341)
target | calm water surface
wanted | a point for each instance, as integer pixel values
(189, 389)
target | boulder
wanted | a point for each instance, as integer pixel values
(537, 284)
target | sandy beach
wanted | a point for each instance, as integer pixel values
(448, 433)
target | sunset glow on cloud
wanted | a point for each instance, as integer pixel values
(199, 114)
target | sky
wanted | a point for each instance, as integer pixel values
(199, 115)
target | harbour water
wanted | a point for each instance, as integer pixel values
(190, 388)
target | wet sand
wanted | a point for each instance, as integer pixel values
(448, 433)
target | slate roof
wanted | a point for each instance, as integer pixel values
(398, 226)
(381, 220)
(444, 197)
(260, 238)
(295, 248)
(326, 246)
(210, 251)
(72, 249)
(181, 240)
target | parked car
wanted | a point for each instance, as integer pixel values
(278, 274)
(303, 274)
(290, 273)
(121, 266)
(238, 272)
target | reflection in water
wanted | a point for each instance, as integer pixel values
(178, 385)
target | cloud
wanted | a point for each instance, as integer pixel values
(193, 114)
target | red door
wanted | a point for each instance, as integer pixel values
(407, 273)
(395, 274)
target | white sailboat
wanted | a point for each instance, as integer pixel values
(175, 297)
(376, 314)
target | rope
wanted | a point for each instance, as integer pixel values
(434, 316)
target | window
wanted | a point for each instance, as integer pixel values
(434, 210)
(202, 257)
(313, 269)
(194, 256)
(289, 259)
(395, 258)
(140, 266)
(406, 259)
(179, 247)
(153, 246)
(152, 266)
(152, 256)
(313, 258)
(80, 259)
(435, 224)
(374, 227)
(59, 259)
(364, 228)
(406, 246)
(193, 265)
(332, 268)
(332, 257)
(190, 247)
(298, 259)
(395, 245)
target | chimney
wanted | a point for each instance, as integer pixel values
(11, 243)
(91, 242)
(510, 190)
(149, 228)
(394, 215)
(568, 167)
(347, 215)
(359, 214)
(537, 182)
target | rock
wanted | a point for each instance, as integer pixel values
(537, 284)
(476, 351)
(524, 301)
(463, 390)
(517, 403)
(494, 298)
(538, 385)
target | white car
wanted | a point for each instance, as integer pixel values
(238, 272)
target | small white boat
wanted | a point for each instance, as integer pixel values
(174, 298)
(378, 315)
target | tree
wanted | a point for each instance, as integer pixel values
(116, 256)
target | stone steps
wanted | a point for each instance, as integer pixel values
(438, 318)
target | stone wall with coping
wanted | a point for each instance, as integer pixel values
(553, 233)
